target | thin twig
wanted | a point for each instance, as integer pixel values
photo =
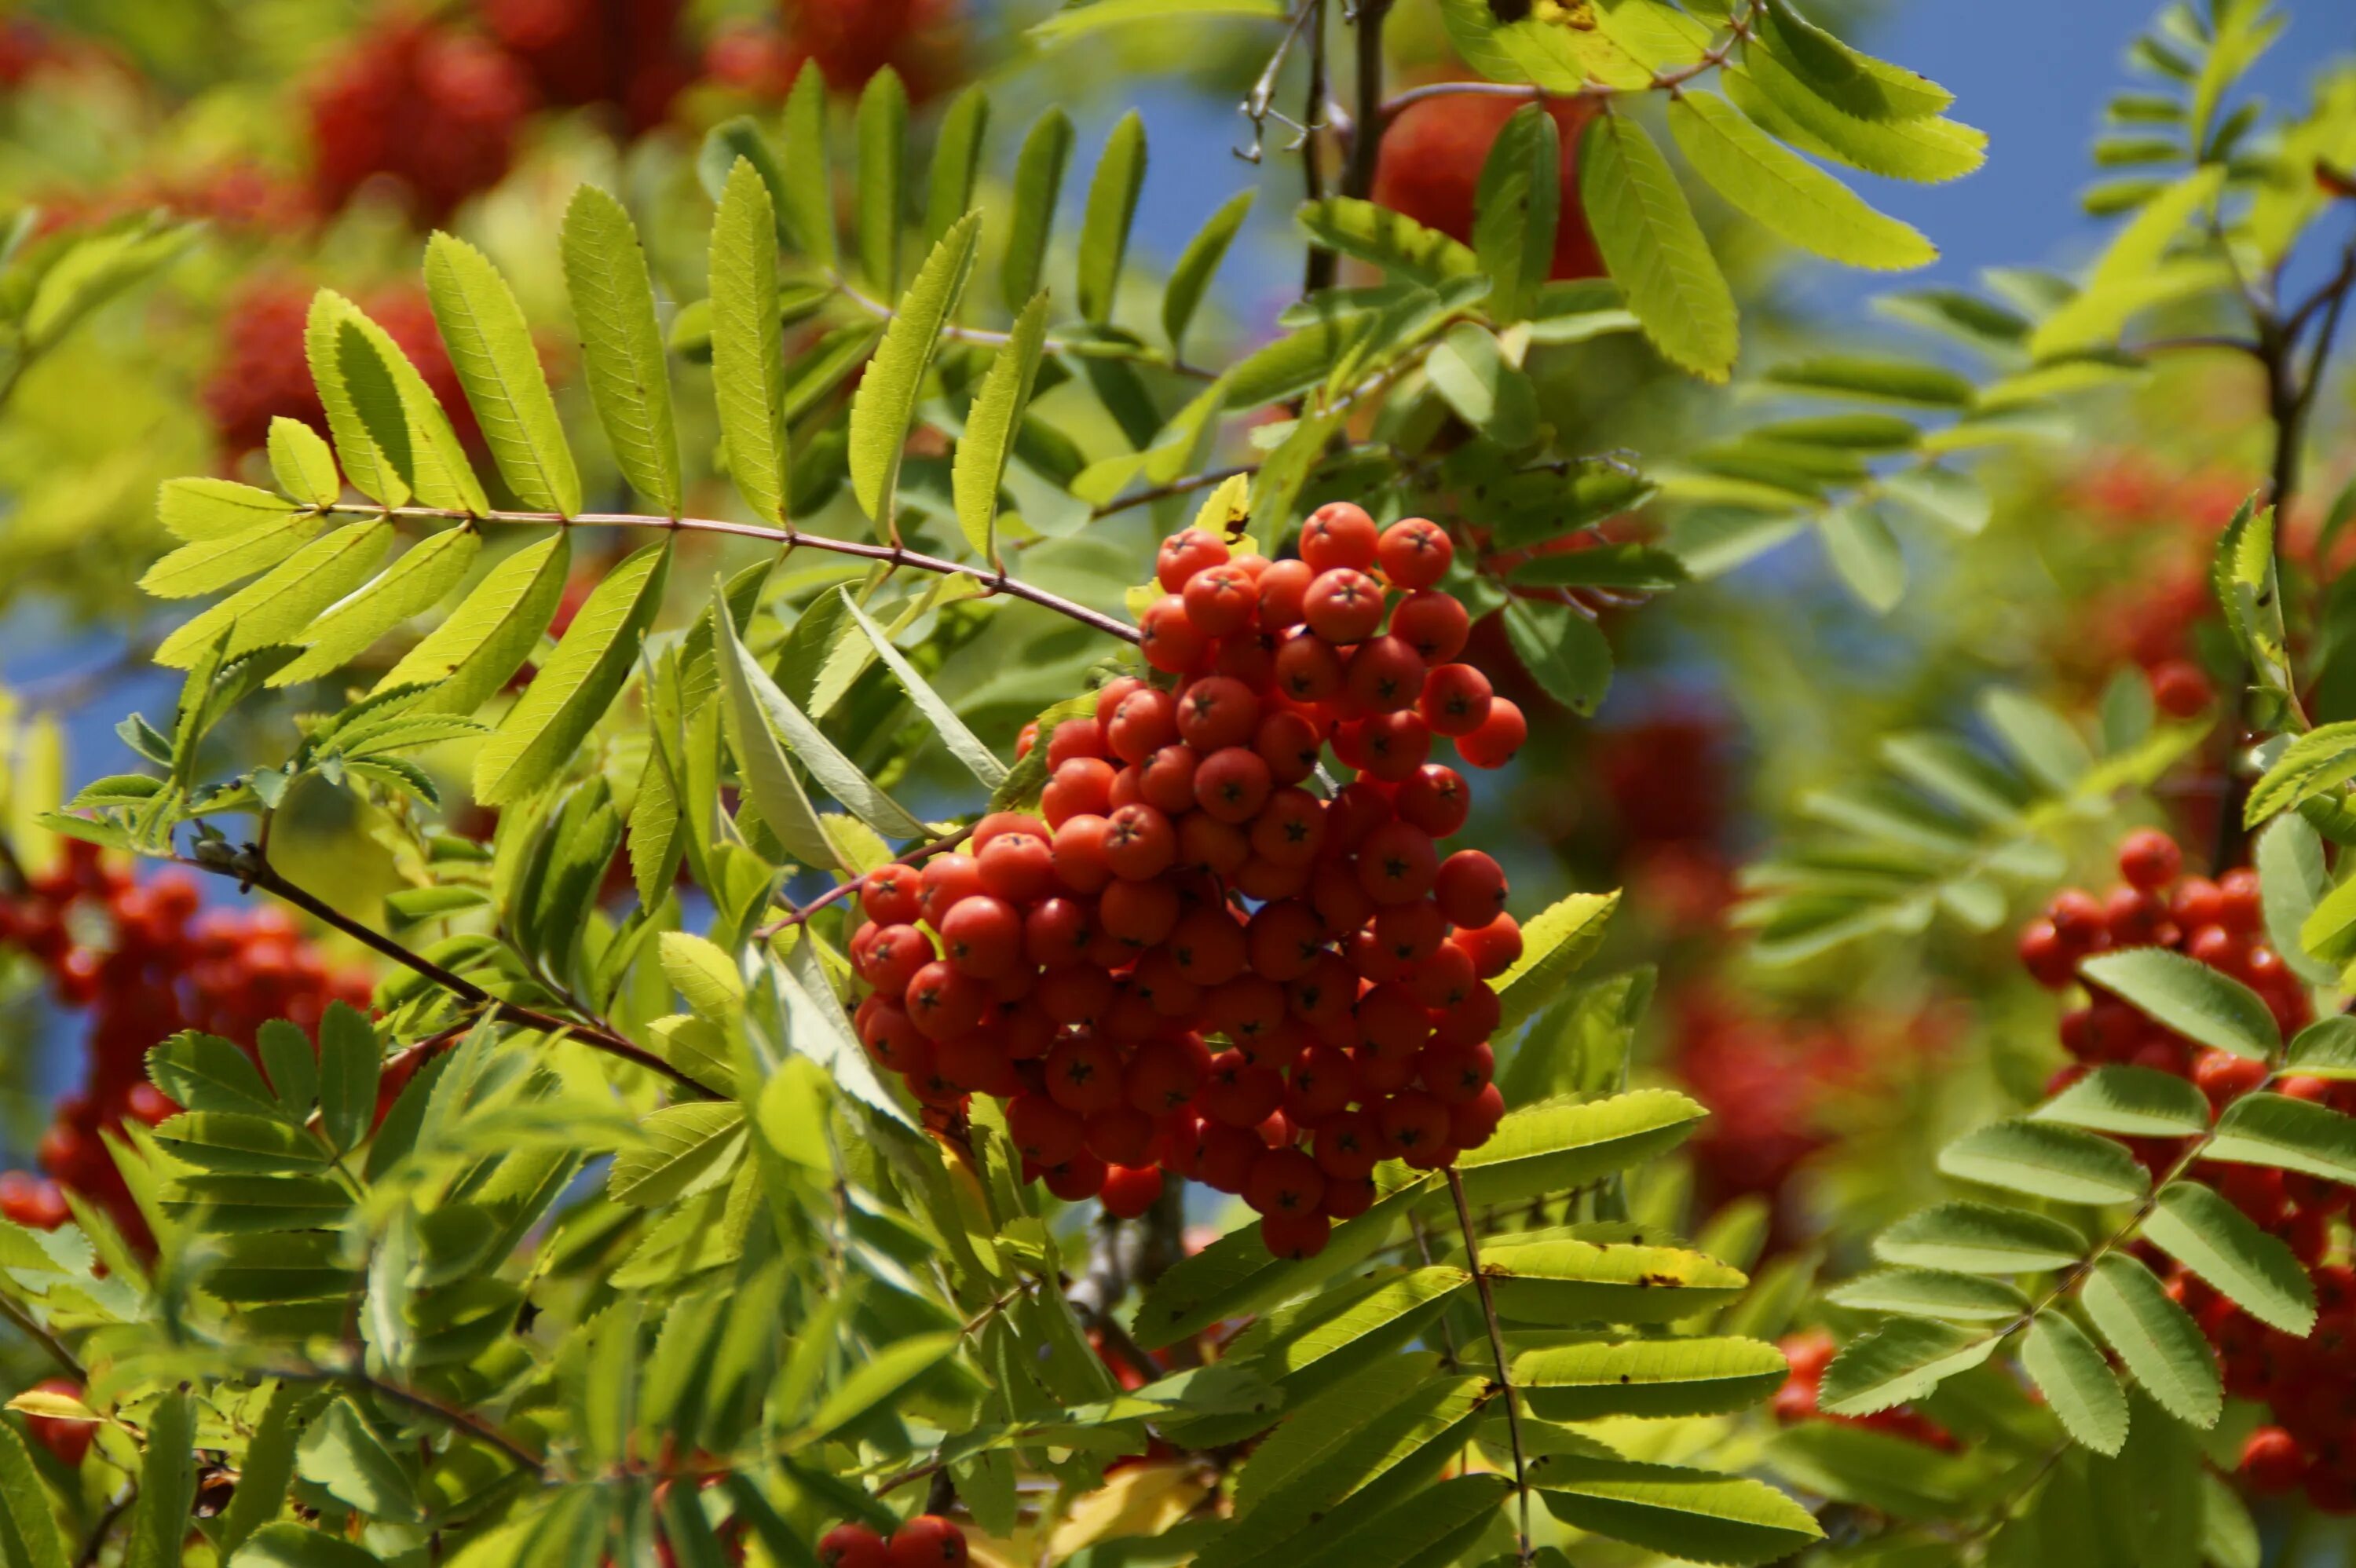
(1497, 1350)
(1322, 263)
(253, 872)
(802, 914)
(424, 1403)
(1259, 105)
(993, 579)
(1185, 486)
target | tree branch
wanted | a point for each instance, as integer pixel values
(250, 872)
(994, 579)
(1497, 1350)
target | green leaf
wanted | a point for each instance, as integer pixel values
(1111, 209)
(1487, 392)
(687, 1149)
(1340, 1331)
(1637, 568)
(1649, 1378)
(834, 773)
(1561, 1282)
(1870, 380)
(2287, 1135)
(274, 608)
(2293, 882)
(300, 460)
(2046, 1160)
(1901, 1361)
(963, 744)
(364, 461)
(33, 1539)
(2325, 1049)
(167, 1483)
(1427, 1529)
(492, 351)
(1235, 1274)
(1931, 1293)
(2226, 1248)
(1391, 240)
(1564, 651)
(1038, 179)
(542, 734)
(2131, 266)
(775, 790)
(1558, 1145)
(2315, 764)
(2070, 1371)
(1865, 554)
(1554, 944)
(957, 161)
(404, 418)
(882, 194)
(886, 405)
(206, 1072)
(1516, 207)
(748, 367)
(807, 194)
(992, 427)
(294, 1546)
(1863, 86)
(1785, 193)
(1653, 249)
(876, 1379)
(2196, 1001)
(351, 1062)
(419, 580)
(341, 1453)
(1979, 1238)
(2133, 1101)
(211, 563)
(1190, 277)
(1694, 1516)
(1923, 148)
(621, 346)
(465, 661)
(2156, 1338)
(1079, 21)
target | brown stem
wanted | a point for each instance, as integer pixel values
(250, 872)
(1371, 117)
(424, 1403)
(1497, 1350)
(1185, 486)
(994, 579)
(1323, 262)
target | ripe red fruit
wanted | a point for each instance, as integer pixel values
(1309, 669)
(1429, 167)
(1397, 864)
(1493, 948)
(2180, 689)
(1283, 593)
(1043, 1131)
(1456, 700)
(1414, 552)
(1470, 889)
(1185, 553)
(2271, 1461)
(852, 1546)
(1500, 735)
(1284, 1181)
(888, 894)
(1344, 605)
(1131, 1190)
(1339, 534)
(1233, 784)
(1168, 640)
(68, 1440)
(1289, 743)
(1083, 1075)
(1435, 799)
(1217, 710)
(1138, 843)
(982, 937)
(1433, 624)
(2149, 859)
(1384, 675)
(1221, 601)
(1295, 1236)
(434, 109)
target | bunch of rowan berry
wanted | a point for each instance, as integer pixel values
(1807, 1354)
(848, 40)
(927, 1540)
(1194, 961)
(264, 373)
(433, 107)
(2306, 1383)
(626, 53)
(146, 963)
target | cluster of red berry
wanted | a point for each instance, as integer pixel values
(262, 372)
(147, 964)
(848, 41)
(433, 107)
(627, 53)
(1808, 1354)
(1428, 167)
(2306, 1382)
(1184, 886)
(927, 1540)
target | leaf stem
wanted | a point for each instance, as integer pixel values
(1497, 1350)
(250, 872)
(994, 579)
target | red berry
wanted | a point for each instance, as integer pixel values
(889, 893)
(1285, 1181)
(2271, 1461)
(1185, 553)
(1295, 1236)
(68, 1440)
(1397, 864)
(1470, 889)
(1500, 735)
(1456, 700)
(1171, 642)
(2149, 859)
(1339, 534)
(2180, 689)
(1131, 1190)
(1433, 624)
(1221, 601)
(1344, 606)
(1414, 553)
(1384, 675)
